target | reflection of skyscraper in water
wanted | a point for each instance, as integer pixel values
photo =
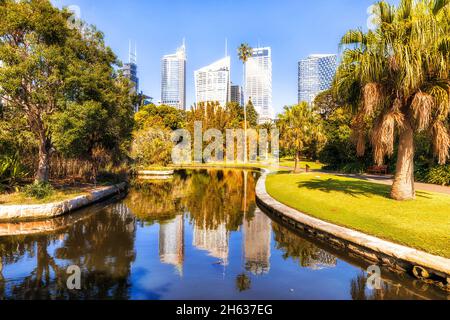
(171, 243)
(257, 240)
(216, 242)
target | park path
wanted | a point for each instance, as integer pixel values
(389, 180)
(386, 180)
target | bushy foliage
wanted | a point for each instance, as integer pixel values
(11, 171)
(39, 190)
(152, 147)
(439, 175)
(159, 116)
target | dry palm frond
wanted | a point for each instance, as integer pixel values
(441, 142)
(383, 136)
(359, 133)
(422, 106)
(372, 98)
(397, 114)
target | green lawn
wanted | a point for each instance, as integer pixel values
(57, 196)
(423, 223)
(289, 162)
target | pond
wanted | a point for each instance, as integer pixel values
(198, 235)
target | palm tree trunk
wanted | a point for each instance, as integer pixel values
(297, 162)
(403, 187)
(245, 119)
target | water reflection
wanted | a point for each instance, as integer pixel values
(171, 243)
(306, 253)
(257, 243)
(198, 235)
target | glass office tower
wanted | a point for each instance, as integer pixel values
(173, 79)
(315, 74)
(258, 83)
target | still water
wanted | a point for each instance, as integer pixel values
(198, 235)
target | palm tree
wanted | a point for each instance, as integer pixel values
(396, 79)
(300, 126)
(244, 53)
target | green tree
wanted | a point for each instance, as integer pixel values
(51, 70)
(152, 146)
(151, 115)
(300, 127)
(396, 78)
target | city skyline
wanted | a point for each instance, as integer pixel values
(303, 28)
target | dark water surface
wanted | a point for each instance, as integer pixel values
(199, 235)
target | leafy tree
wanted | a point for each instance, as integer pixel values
(396, 78)
(300, 127)
(151, 115)
(152, 146)
(50, 70)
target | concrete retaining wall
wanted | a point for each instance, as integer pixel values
(51, 210)
(397, 257)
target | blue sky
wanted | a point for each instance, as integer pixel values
(293, 28)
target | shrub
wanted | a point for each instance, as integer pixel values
(152, 147)
(439, 175)
(39, 190)
(11, 171)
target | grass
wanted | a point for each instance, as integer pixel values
(364, 206)
(289, 162)
(284, 162)
(57, 196)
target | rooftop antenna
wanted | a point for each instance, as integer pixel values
(132, 57)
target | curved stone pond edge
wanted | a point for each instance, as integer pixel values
(10, 213)
(394, 256)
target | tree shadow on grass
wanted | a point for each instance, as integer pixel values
(354, 188)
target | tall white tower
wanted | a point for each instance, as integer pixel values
(258, 83)
(173, 79)
(212, 83)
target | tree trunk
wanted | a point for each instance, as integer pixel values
(403, 187)
(42, 175)
(297, 162)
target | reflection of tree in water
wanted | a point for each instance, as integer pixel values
(213, 198)
(217, 197)
(102, 246)
(153, 200)
(243, 283)
(307, 254)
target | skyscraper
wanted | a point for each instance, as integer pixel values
(130, 69)
(212, 83)
(237, 94)
(315, 74)
(173, 79)
(258, 83)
